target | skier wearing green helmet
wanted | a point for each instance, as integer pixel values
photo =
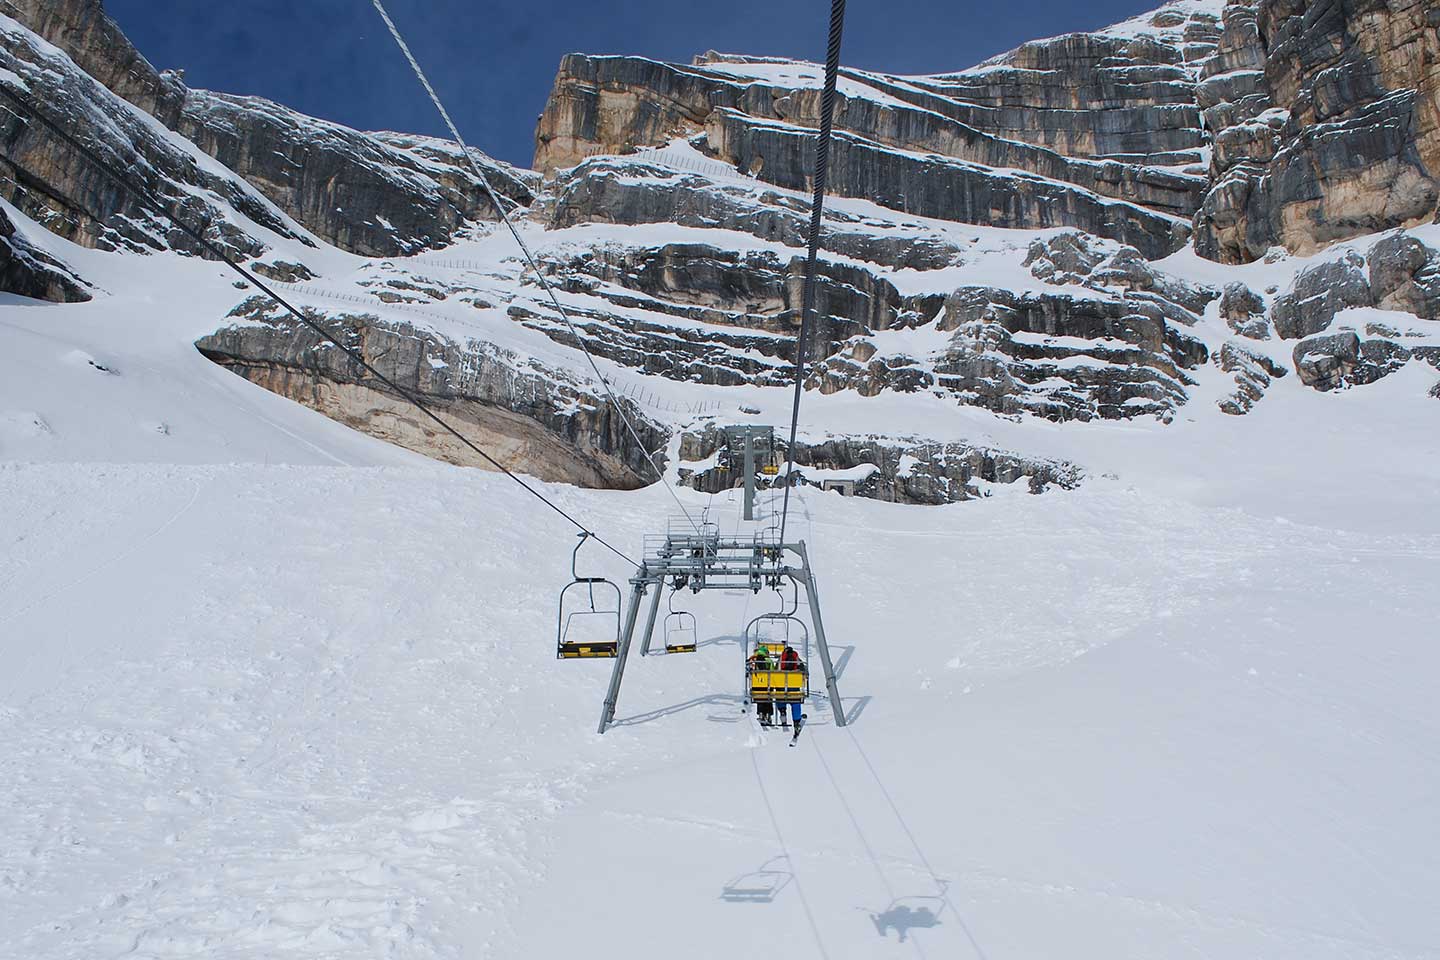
(761, 662)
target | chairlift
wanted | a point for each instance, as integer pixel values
(680, 629)
(569, 644)
(765, 639)
(768, 540)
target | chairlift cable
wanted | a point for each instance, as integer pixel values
(529, 257)
(148, 201)
(817, 209)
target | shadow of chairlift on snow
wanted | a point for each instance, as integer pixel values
(853, 706)
(729, 715)
(759, 886)
(728, 639)
(909, 913)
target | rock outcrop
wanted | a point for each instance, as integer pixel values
(1358, 318)
(1065, 357)
(1253, 372)
(53, 184)
(635, 191)
(532, 419)
(1405, 276)
(31, 272)
(96, 43)
(1243, 310)
(1318, 294)
(1098, 131)
(910, 470)
(1326, 119)
(378, 195)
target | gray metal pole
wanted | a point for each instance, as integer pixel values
(749, 474)
(637, 593)
(813, 593)
(650, 620)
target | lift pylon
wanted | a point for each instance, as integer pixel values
(751, 440)
(706, 561)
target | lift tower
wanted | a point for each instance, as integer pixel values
(749, 440)
(703, 560)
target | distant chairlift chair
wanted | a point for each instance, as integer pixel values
(570, 641)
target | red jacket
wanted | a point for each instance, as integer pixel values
(790, 660)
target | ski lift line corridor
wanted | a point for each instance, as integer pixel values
(700, 558)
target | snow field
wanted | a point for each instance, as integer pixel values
(314, 712)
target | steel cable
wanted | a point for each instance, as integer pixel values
(817, 209)
(529, 257)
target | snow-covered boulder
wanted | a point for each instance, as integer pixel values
(1319, 293)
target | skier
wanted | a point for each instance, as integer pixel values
(790, 661)
(761, 662)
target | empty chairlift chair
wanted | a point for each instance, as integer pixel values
(679, 629)
(583, 630)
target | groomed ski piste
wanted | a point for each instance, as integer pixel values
(272, 688)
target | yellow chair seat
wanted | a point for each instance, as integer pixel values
(590, 651)
(777, 686)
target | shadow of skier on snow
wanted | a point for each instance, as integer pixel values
(902, 918)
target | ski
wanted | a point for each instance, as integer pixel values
(798, 724)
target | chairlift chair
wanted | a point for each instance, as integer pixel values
(774, 685)
(680, 629)
(568, 645)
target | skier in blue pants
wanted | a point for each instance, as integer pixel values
(790, 660)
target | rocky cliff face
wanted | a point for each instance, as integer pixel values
(85, 32)
(997, 239)
(884, 468)
(1104, 128)
(56, 186)
(530, 418)
(31, 272)
(373, 194)
(379, 195)
(1326, 119)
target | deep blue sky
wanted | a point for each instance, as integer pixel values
(493, 62)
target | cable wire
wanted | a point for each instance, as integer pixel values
(817, 209)
(525, 249)
(146, 200)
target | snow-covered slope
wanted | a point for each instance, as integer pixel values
(258, 703)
